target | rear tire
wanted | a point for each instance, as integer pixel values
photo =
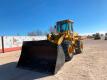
(79, 47)
(65, 45)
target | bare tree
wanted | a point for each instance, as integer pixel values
(33, 33)
(102, 34)
(93, 35)
(52, 29)
(45, 33)
(17, 34)
(39, 32)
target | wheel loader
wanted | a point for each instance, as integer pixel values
(48, 56)
(105, 36)
(97, 36)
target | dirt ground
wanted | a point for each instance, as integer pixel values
(90, 65)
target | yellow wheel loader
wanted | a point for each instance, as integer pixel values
(49, 55)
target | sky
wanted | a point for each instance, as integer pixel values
(23, 16)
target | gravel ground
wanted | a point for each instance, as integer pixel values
(90, 65)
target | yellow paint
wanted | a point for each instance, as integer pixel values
(67, 35)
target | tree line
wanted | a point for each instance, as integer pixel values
(96, 35)
(39, 32)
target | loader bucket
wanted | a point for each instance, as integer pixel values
(42, 56)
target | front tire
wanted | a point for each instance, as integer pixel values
(66, 46)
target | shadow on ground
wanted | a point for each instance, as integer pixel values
(10, 72)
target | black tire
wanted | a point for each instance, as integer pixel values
(78, 48)
(105, 38)
(65, 46)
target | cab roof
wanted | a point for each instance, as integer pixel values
(67, 20)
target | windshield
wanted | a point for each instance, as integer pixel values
(62, 27)
(71, 27)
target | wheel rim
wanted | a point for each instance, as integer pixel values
(70, 49)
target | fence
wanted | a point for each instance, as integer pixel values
(0, 44)
(11, 43)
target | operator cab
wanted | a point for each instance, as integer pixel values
(64, 25)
